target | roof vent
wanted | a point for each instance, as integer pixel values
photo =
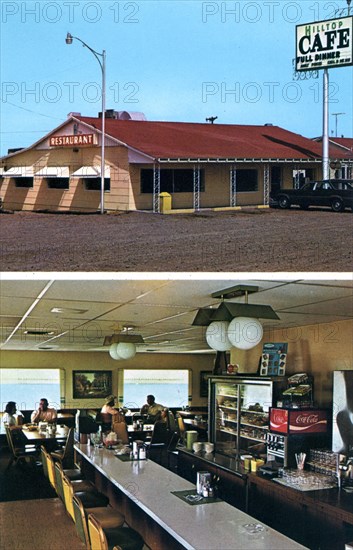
(122, 115)
(268, 124)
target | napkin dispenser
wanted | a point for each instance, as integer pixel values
(42, 426)
(203, 478)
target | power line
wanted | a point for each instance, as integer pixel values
(30, 111)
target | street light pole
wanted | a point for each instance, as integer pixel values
(102, 63)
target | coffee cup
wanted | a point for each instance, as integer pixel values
(197, 446)
(209, 447)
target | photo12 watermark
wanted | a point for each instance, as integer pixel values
(70, 12)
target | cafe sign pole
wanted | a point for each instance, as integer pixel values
(323, 45)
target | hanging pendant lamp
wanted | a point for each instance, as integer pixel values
(244, 329)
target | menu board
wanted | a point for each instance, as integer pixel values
(273, 359)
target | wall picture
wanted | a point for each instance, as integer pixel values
(91, 384)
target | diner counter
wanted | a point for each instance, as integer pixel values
(325, 516)
(204, 526)
(337, 499)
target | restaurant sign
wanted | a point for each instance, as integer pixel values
(79, 140)
(324, 44)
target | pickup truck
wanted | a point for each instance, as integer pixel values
(337, 194)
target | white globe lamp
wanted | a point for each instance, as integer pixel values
(126, 350)
(113, 352)
(245, 332)
(217, 336)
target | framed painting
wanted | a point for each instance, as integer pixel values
(204, 376)
(91, 384)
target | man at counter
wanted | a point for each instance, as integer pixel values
(151, 408)
(44, 413)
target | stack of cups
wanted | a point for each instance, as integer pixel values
(191, 437)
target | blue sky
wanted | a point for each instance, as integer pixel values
(178, 60)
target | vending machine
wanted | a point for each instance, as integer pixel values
(294, 431)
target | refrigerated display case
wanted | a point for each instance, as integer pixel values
(239, 412)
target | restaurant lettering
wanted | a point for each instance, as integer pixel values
(324, 44)
(75, 140)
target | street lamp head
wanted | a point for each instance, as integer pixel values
(68, 38)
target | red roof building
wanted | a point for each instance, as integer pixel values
(198, 165)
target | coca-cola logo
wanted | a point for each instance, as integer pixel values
(307, 419)
(279, 417)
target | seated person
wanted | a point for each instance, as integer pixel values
(14, 423)
(108, 407)
(109, 414)
(44, 413)
(9, 418)
(151, 408)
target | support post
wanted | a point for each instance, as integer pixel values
(325, 131)
(156, 188)
(233, 186)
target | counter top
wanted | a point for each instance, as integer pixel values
(149, 485)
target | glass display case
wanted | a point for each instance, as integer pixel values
(239, 412)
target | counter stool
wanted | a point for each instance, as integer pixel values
(90, 498)
(54, 478)
(72, 475)
(107, 517)
(120, 538)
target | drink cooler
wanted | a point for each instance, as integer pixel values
(298, 421)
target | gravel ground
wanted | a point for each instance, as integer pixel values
(247, 240)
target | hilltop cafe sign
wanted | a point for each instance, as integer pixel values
(324, 44)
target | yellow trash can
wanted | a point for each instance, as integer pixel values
(166, 201)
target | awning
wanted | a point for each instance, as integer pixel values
(91, 172)
(54, 172)
(19, 172)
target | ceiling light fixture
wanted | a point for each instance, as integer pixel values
(123, 344)
(234, 324)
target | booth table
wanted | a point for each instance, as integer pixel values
(142, 490)
(42, 438)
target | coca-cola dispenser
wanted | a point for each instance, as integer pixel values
(295, 431)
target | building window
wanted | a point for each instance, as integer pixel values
(58, 183)
(179, 180)
(170, 387)
(246, 180)
(94, 184)
(276, 179)
(24, 182)
(26, 387)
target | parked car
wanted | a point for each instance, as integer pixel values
(337, 194)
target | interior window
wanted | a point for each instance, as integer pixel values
(27, 386)
(170, 387)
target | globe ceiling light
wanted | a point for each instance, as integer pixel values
(217, 336)
(113, 352)
(245, 332)
(126, 350)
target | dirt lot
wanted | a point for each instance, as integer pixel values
(247, 240)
